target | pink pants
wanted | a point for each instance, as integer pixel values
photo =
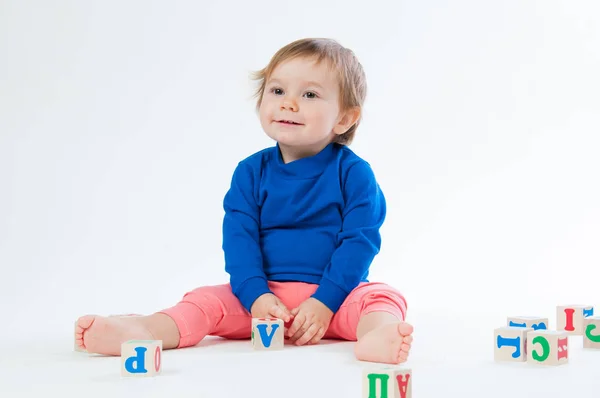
(215, 311)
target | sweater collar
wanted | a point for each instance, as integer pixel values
(307, 167)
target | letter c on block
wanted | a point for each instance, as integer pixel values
(545, 349)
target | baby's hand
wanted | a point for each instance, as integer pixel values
(268, 305)
(311, 321)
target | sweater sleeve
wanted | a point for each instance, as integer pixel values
(241, 239)
(359, 239)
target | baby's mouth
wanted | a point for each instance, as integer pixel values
(290, 122)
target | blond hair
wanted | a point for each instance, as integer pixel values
(351, 76)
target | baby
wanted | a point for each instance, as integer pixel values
(300, 230)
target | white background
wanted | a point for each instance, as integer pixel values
(122, 121)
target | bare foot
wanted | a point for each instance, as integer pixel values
(387, 344)
(104, 335)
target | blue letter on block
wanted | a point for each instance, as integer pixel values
(266, 338)
(589, 312)
(518, 325)
(540, 325)
(140, 358)
(514, 342)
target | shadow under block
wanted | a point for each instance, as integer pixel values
(140, 358)
(387, 382)
(591, 332)
(569, 318)
(534, 322)
(510, 343)
(267, 334)
(548, 347)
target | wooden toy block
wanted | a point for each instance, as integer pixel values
(569, 318)
(387, 382)
(267, 334)
(533, 322)
(591, 332)
(548, 347)
(510, 343)
(141, 358)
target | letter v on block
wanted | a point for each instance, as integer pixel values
(267, 334)
(266, 337)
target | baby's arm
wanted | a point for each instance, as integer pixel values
(363, 215)
(243, 257)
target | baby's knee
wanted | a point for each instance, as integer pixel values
(383, 296)
(211, 292)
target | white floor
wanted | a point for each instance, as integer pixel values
(452, 356)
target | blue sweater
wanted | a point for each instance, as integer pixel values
(313, 220)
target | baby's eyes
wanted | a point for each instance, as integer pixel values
(308, 94)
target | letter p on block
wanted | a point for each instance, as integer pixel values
(141, 358)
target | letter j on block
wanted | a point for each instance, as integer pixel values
(267, 334)
(510, 343)
(387, 382)
(141, 358)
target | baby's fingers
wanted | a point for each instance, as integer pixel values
(280, 313)
(317, 337)
(308, 335)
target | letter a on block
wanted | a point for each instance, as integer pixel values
(403, 384)
(563, 348)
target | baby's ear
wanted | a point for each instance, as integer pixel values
(347, 119)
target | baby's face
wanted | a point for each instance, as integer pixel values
(301, 104)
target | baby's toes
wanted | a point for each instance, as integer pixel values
(408, 339)
(402, 356)
(405, 329)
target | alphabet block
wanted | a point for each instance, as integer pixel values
(569, 318)
(267, 334)
(141, 358)
(591, 332)
(548, 347)
(533, 322)
(387, 382)
(510, 343)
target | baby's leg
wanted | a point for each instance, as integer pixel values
(383, 337)
(373, 315)
(104, 335)
(206, 310)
